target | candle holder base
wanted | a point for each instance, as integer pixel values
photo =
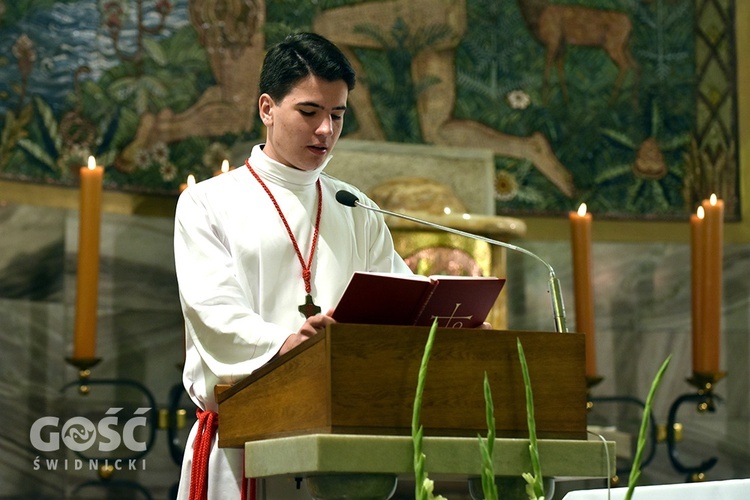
(84, 366)
(705, 382)
(706, 400)
(592, 381)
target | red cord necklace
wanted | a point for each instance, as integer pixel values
(308, 308)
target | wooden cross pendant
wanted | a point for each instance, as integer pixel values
(308, 308)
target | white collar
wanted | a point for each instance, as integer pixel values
(281, 174)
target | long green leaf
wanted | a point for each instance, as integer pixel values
(620, 138)
(416, 429)
(155, 51)
(486, 448)
(535, 481)
(635, 471)
(37, 152)
(49, 121)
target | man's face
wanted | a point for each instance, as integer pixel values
(305, 125)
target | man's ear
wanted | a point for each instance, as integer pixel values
(265, 109)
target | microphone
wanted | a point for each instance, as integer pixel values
(558, 308)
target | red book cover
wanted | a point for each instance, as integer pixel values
(404, 299)
(459, 301)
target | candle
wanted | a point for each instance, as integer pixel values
(189, 182)
(713, 237)
(697, 248)
(580, 226)
(87, 288)
(224, 168)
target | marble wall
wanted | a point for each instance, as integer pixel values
(642, 316)
(139, 339)
(642, 304)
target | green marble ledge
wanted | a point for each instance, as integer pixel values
(445, 456)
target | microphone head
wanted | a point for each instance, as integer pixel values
(346, 198)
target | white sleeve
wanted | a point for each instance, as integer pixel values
(230, 337)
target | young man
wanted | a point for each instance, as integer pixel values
(261, 249)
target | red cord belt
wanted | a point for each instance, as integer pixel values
(208, 424)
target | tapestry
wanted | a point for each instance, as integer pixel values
(627, 105)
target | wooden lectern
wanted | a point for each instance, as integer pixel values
(361, 380)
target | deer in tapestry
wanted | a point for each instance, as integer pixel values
(436, 102)
(558, 26)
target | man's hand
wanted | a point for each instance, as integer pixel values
(312, 326)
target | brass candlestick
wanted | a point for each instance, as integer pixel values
(706, 399)
(84, 366)
(705, 383)
(629, 400)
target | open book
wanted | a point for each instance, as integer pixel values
(406, 299)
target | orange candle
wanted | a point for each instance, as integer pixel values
(580, 227)
(190, 181)
(713, 237)
(87, 289)
(224, 168)
(697, 248)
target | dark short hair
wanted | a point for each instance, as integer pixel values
(298, 56)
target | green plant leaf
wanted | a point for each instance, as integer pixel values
(620, 138)
(487, 447)
(50, 122)
(417, 431)
(37, 152)
(155, 51)
(535, 480)
(635, 471)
